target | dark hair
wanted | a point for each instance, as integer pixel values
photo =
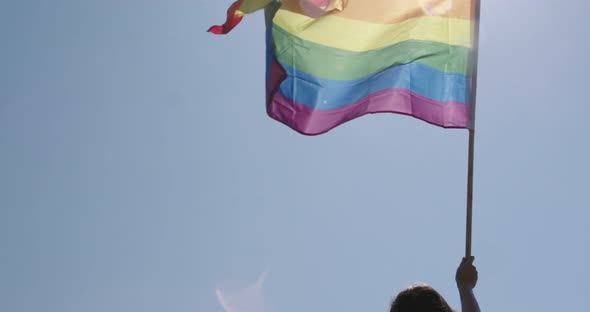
(420, 298)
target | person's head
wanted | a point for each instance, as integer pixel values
(419, 298)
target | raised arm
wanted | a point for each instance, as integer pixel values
(466, 279)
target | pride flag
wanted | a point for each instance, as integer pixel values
(330, 61)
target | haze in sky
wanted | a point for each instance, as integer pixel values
(139, 171)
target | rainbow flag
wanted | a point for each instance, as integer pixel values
(330, 61)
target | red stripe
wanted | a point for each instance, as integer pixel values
(233, 19)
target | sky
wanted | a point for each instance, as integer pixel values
(139, 171)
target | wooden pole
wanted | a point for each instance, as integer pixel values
(469, 194)
(473, 96)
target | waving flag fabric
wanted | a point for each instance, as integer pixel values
(330, 61)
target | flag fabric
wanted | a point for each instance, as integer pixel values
(330, 61)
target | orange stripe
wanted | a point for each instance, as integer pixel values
(393, 11)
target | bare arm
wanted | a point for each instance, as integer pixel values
(466, 279)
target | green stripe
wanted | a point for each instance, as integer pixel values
(331, 63)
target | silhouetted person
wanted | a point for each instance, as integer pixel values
(423, 298)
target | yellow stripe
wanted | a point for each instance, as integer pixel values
(360, 36)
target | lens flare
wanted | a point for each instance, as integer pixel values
(436, 7)
(248, 299)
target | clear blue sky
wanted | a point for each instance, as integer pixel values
(139, 171)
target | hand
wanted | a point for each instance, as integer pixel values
(466, 276)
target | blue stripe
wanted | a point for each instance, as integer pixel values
(326, 94)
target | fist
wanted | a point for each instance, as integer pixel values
(466, 276)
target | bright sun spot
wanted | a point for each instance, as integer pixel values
(248, 299)
(436, 7)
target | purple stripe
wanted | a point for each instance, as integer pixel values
(309, 121)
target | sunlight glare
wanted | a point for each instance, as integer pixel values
(436, 7)
(248, 299)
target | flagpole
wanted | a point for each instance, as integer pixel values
(473, 65)
(469, 195)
